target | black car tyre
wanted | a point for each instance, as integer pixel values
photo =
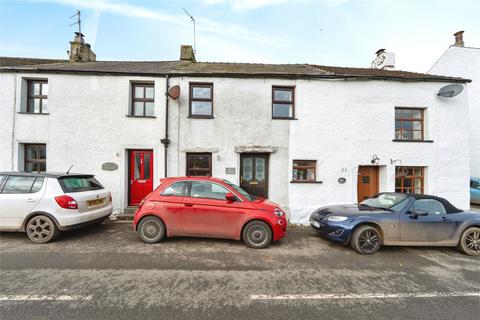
(470, 241)
(366, 240)
(41, 229)
(151, 229)
(257, 234)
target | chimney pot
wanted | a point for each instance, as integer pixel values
(459, 39)
(186, 53)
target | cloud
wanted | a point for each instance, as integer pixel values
(246, 5)
(203, 24)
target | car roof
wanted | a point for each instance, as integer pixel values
(450, 208)
(44, 174)
(193, 178)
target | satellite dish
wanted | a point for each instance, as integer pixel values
(450, 90)
(174, 92)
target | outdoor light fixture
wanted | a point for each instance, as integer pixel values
(375, 160)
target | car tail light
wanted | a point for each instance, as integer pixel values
(66, 202)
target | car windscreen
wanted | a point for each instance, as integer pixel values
(385, 201)
(79, 183)
(239, 190)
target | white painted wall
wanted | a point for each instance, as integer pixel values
(341, 124)
(465, 62)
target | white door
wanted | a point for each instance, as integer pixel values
(18, 197)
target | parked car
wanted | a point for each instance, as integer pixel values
(43, 204)
(475, 190)
(208, 207)
(399, 219)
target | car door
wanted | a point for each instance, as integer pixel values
(19, 196)
(436, 226)
(206, 212)
(168, 204)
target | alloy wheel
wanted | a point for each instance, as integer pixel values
(369, 240)
(39, 229)
(257, 234)
(151, 229)
(472, 241)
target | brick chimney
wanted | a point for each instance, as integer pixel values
(186, 53)
(459, 39)
(80, 51)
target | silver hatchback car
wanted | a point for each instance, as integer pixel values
(43, 204)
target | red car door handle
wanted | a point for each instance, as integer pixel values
(188, 204)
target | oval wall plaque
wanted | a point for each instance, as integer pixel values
(109, 166)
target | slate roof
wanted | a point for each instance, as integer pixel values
(17, 61)
(222, 69)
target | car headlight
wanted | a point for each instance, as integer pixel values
(278, 212)
(337, 218)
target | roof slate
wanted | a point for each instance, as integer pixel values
(17, 61)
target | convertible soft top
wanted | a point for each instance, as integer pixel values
(450, 208)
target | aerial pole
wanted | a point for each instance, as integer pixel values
(194, 32)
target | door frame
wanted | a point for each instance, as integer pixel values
(377, 178)
(267, 168)
(129, 172)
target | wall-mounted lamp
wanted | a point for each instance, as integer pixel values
(375, 160)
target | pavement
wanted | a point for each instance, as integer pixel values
(105, 272)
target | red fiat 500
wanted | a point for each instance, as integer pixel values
(208, 207)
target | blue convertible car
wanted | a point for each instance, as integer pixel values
(475, 190)
(399, 219)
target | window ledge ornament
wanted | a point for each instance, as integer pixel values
(255, 149)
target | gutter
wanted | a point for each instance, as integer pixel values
(166, 141)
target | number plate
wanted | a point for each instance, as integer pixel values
(95, 203)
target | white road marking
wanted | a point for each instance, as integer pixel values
(328, 296)
(36, 297)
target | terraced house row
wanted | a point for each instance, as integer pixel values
(303, 135)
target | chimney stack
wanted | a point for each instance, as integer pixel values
(459, 39)
(186, 53)
(80, 51)
(384, 60)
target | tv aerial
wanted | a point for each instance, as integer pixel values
(193, 20)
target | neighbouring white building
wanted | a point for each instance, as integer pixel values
(462, 61)
(303, 135)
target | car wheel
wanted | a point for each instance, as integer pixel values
(41, 229)
(257, 234)
(151, 229)
(366, 240)
(470, 241)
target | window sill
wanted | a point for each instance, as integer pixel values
(201, 117)
(273, 118)
(425, 141)
(34, 113)
(148, 117)
(307, 181)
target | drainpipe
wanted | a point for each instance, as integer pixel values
(166, 141)
(13, 120)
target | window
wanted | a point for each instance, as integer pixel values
(201, 100)
(199, 164)
(143, 98)
(304, 170)
(431, 206)
(17, 184)
(35, 157)
(409, 179)
(176, 189)
(473, 184)
(409, 124)
(79, 184)
(283, 102)
(37, 96)
(200, 189)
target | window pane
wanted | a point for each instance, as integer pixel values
(417, 135)
(417, 172)
(36, 88)
(34, 105)
(282, 95)
(247, 168)
(176, 189)
(406, 114)
(79, 184)
(42, 167)
(417, 125)
(136, 169)
(146, 165)
(196, 161)
(397, 125)
(430, 205)
(44, 89)
(407, 125)
(42, 151)
(201, 108)
(149, 92)
(19, 185)
(138, 92)
(31, 152)
(149, 109)
(208, 190)
(138, 108)
(398, 135)
(260, 169)
(417, 114)
(398, 113)
(407, 135)
(44, 106)
(282, 110)
(201, 92)
(31, 167)
(37, 185)
(407, 183)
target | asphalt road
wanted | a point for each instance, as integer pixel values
(105, 272)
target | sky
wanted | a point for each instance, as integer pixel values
(326, 32)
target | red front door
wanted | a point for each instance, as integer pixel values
(141, 175)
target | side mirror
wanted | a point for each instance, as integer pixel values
(418, 213)
(230, 197)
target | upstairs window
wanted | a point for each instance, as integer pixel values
(409, 179)
(283, 102)
(199, 164)
(143, 98)
(409, 124)
(201, 100)
(37, 96)
(35, 157)
(304, 170)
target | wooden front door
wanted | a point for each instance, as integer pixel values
(367, 185)
(141, 175)
(254, 173)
